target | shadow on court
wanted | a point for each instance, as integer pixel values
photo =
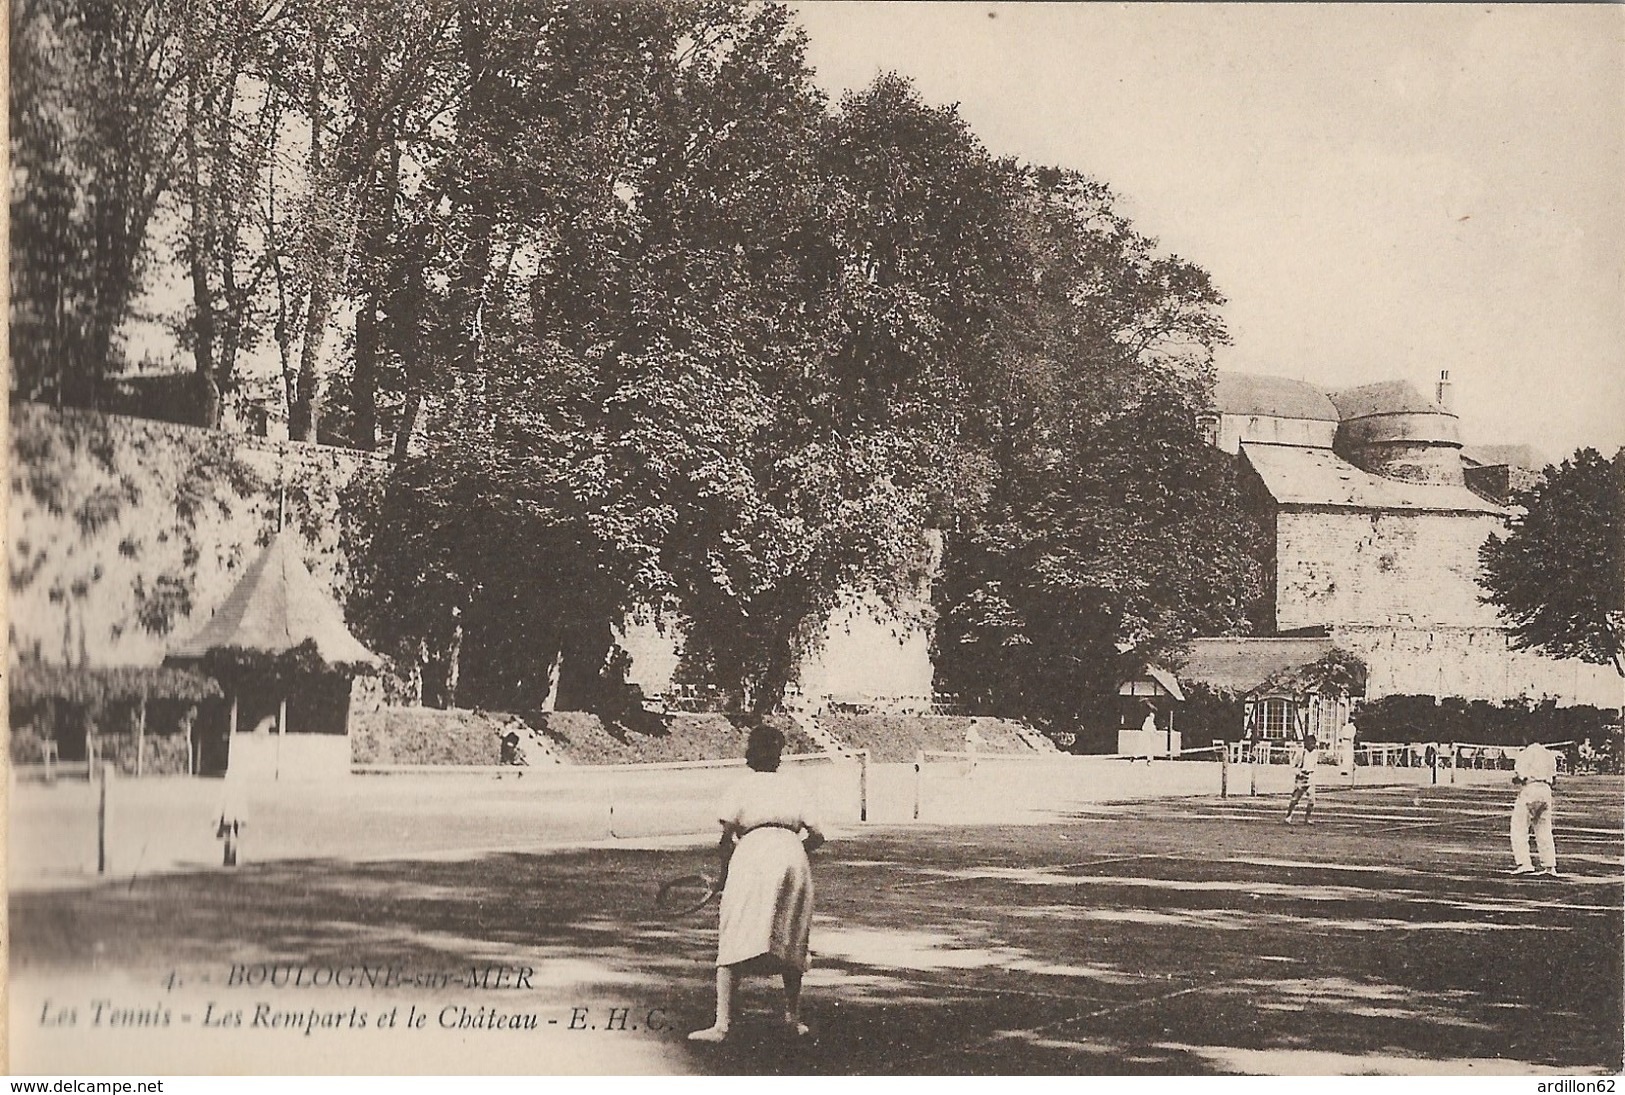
(1177, 937)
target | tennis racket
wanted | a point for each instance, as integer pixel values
(687, 894)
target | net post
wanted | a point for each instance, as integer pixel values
(105, 772)
(919, 780)
(863, 784)
(1253, 767)
(1224, 768)
(1455, 760)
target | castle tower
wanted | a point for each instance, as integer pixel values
(1393, 430)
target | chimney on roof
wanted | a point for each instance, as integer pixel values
(1442, 394)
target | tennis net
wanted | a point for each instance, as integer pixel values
(987, 786)
(582, 802)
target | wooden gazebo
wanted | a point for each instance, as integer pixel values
(279, 647)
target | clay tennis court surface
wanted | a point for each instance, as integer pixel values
(1180, 936)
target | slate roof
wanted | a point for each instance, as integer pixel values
(1271, 397)
(1384, 397)
(1300, 475)
(276, 606)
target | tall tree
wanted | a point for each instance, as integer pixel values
(883, 298)
(360, 70)
(666, 279)
(592, 288)
(232, 120)
(1097, 521)
(1558, 575)
(96, 146)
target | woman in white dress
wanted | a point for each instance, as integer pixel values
(768, 828)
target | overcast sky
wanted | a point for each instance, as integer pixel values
(1380, 191)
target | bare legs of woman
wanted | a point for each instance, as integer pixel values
(727, 981)
(792, 1002)
(717, 1031)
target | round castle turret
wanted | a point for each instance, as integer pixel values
(1393, 430)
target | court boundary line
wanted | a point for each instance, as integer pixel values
(978, 990)
(982, 1044)
(944, 879)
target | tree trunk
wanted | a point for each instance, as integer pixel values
(208, 401)
(406, 340)
(203, 336)
(369, 343)
(230, 340)
(416, 690)
(364, 378)
(305, 408)
(469, 294)
(198, 253)
(454, 664)
(550, 692)
(305, 415)
(766, 692)
(585, 649)
(409, 422)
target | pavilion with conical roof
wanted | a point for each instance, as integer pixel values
(280, 649)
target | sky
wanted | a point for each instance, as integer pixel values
(1380, 191)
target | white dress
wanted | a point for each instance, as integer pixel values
(768, 900)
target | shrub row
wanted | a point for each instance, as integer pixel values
(159, 756)
(1481, 722)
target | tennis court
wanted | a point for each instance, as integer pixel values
(1182, 935)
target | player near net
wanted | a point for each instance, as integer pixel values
(768, 827)
(1303, 781)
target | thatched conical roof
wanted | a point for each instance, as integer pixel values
(278, 606)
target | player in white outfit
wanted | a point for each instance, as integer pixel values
(767, 897)
(1303, 782)
(1535, 773)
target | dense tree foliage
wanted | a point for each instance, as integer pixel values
(647, 325)
(1511, 723)
(1103, 531)
(94, 146)
(1558, 575)
(1102, 549)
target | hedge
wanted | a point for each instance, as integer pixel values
(1406, 718)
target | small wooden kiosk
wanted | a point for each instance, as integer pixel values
(280, 649)
(1146, 721)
